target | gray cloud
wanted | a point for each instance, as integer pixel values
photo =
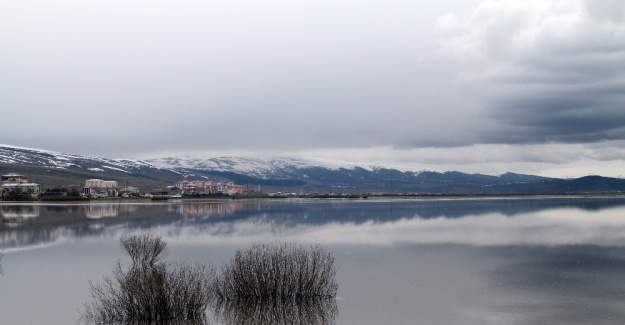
(547, 71)
(247, 75)
(361, 81)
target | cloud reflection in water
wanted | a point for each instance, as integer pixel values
(548, 227)
(371, 222)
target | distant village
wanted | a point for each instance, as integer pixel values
(18, 187)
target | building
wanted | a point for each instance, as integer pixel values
(99, 183)
(128, 191)
(15, 186)
(208, 187)
(13, 178)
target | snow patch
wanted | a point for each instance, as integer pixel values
(117, 169)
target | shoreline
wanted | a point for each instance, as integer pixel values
(322, 197)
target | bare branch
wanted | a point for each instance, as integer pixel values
(151, 291)
(277, 273)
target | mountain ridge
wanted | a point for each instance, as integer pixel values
(292, 174)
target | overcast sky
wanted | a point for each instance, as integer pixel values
(475, 86)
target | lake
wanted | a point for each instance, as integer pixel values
(400, 261)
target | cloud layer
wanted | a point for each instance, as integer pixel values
(247, 75)
(469, 85)
(547, 71)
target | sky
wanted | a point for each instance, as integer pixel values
(533, 86)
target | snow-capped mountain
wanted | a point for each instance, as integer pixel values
(46, 158)
(305, 174)
(280, 167)
(329, 175)
(78, 167)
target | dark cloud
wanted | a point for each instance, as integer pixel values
(559, 117)
(319, 77)
(547, 71)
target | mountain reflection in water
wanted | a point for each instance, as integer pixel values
(468, 221)
(400, 261)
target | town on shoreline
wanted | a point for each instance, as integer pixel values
(16, 187)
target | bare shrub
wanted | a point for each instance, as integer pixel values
(317, 312)
(150, 291)
(274, 273)
(144, 250)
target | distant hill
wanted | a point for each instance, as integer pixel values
(286, 174)
(54, 169)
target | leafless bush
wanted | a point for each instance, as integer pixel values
(150, 291)
(317, 312)
(267, 283)
(273, 273)
(144, 250)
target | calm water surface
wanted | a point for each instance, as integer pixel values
(479, 261)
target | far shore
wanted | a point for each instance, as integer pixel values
(69, 199)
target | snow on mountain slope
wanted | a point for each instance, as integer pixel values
(23, 155)
(46, 158)
(307, 170)
(254, 167)
(279, 167)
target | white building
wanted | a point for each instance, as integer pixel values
(98, 183)
(209, 187)
(13, 178)
(14, 186)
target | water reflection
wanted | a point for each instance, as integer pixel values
(101, 211)
(319, 312)
(512, 261)
(570, 284)
(15, 215)
(473, 222)
(167, 322)
(206, 209)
